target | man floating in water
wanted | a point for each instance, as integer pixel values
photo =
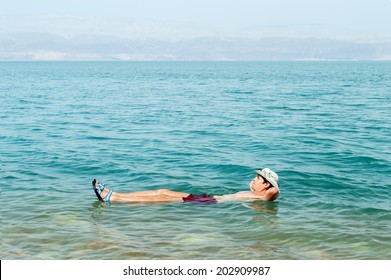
(263, 187)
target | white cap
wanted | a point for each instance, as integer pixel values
(269, 176)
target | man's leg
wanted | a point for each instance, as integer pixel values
(161, 195)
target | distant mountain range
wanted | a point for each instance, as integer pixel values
(42, 46)
(85, 39)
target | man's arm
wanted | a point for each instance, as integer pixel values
(270, 195)
(237, 196)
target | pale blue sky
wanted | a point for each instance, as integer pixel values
(368, 17)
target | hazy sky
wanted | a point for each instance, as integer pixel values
(368, 17)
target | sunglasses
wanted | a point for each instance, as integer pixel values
(264, 180)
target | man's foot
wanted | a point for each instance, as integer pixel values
(98, 188)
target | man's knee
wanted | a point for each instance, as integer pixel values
(161, 191)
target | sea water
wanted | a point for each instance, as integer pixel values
(196, 127)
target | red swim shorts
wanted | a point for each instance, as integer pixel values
(202, 198)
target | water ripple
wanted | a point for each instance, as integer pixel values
(203, 128)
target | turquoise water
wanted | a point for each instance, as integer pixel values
(199, 127)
